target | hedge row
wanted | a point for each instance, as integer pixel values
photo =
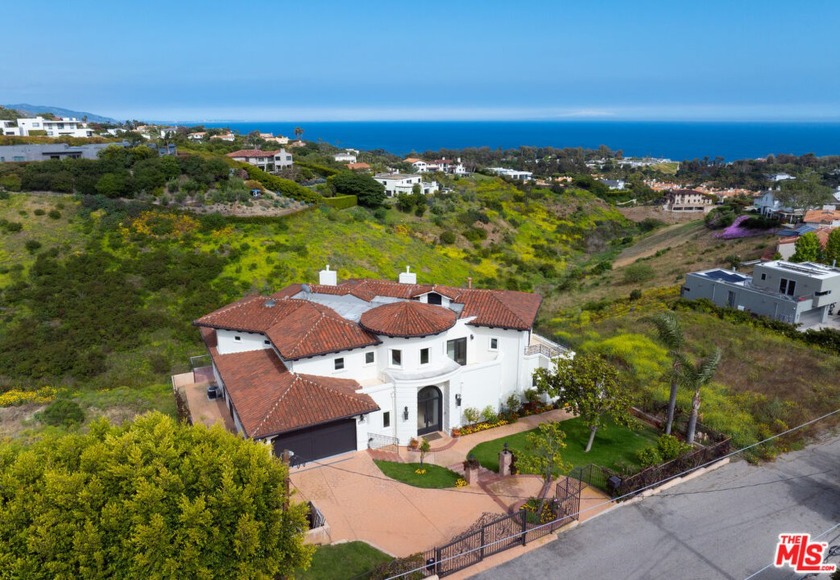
(342, 201)
(319, 169)
(279, 185)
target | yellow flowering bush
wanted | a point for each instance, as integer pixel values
(461, 482)
(161, 225)
(420, 471)
(16, 397)
(476, 427)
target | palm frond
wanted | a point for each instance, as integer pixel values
(669, 330)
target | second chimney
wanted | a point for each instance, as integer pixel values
(328, 277)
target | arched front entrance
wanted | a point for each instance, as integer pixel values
(429, 416)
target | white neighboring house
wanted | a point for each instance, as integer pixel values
(614, 184)
(197, 136)
(396, 183)
(62, 127)
(348, 156)
(224, 137)
(768, 206)
(9, 129)
(511, 173)
(688, 200)
(266, 160)
(335, 367)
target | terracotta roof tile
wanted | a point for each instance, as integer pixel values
(252, 153)
(269, 399)
(408, 319)
(821, 216)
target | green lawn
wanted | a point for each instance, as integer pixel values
(615, 446)
(350, 560)
(435, 477)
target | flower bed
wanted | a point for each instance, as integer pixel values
(735, 231)
(483, 426)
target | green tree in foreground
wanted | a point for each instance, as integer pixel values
(589, 385)
(543, 454)
(671, 335)
(804, 192)
(149, 499)
(808, 248)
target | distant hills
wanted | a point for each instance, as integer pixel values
(59, 112)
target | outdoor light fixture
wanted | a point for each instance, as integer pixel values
(361, 418)
(457, 400)
(405, 414)
(472, 337)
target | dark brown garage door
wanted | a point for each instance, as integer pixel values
(318, 442)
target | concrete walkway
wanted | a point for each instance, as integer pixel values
(360, 503)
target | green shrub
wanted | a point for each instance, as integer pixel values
(472, 415)
(635, 294)
(637, 273)
(62, 412)
(33, 246)
(513, 403)
(489, 414)
(648, 457)
(447, 237)
(40, 211)
(670, 447)
(54, 214)
(341, 201)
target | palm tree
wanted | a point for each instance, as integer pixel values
(298, 132)
(695, 377)
(671, 335)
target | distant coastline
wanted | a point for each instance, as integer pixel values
(670, 139)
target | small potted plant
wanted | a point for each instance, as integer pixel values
(456, 432)
(413, 444)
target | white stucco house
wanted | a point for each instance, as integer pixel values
(511, 173)
(396, 183)
(347, 156)
(342, 366)
(266, 160)
(66, 127)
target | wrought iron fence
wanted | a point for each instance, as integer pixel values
(653, 475)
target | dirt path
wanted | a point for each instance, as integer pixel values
(670, 236)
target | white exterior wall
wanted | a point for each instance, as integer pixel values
(227, 342)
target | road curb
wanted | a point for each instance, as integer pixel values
(677, 481)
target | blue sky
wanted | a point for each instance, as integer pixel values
(464, 59)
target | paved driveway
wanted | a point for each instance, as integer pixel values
(724, 524)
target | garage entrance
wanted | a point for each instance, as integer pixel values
(312, 443)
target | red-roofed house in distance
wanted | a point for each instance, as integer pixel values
(270, 161)
(334, 367)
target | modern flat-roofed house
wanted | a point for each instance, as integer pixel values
(348, 156)
(512, 173)
(43, 152)
(614, 184)
(396, 183)
(688, 200)
(67, 127)
(9, 128)
(796, 293)
(342, 366)
(270, 161)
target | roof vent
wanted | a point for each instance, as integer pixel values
(328, 277)
(408, 277)
(271, 303)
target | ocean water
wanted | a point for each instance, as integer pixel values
(673, 140)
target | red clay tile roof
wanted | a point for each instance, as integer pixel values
(297, 328)
(357, 166)
(269, 399)
(252, 153)
(408, 319)
(821, 216)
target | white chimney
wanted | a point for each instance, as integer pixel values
(408, 277)
(328, 277)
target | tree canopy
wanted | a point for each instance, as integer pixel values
(543, 454)
(368, 191)
(808, 248)
(805, 192)
(589, 385)
(149, 499)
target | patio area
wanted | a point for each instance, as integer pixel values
(193, 387)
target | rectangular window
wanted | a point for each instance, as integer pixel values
(494, 344)
(787, 286)
(424, 356)
(764, 276)
(457, 350)
(396, 358)
(339, 363)
(266, 342)
(386, 419)
(237, 338)
(369, 358)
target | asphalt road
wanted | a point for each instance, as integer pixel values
(724, 524)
